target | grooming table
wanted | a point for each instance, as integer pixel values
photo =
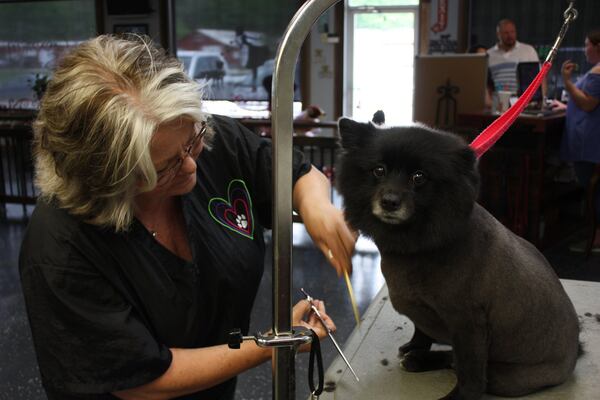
(373, 352)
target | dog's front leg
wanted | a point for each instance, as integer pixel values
(470, 345)
(417, 356)
(419, 341)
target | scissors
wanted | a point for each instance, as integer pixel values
(329, 333)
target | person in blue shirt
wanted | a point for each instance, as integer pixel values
(581, 139)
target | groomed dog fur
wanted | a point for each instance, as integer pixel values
(451, 267)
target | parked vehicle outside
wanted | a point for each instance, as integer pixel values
(205, 66)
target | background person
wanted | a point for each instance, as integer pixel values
(257, 54)
(506, 54)
(139, 259)
(581, 138)
(481, 49)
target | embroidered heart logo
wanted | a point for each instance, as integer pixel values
(235, 213)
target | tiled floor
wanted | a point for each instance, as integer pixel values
(19, 378)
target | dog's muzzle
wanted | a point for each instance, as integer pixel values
(392, 207)
(390, 201)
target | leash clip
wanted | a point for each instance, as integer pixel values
(569, 16)
(571, 13)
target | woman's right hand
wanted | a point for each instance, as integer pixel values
(567, 70)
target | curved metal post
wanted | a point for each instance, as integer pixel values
(282, 100)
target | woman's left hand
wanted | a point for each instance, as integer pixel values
(557, 105)
(302, 315)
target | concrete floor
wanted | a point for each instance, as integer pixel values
(19, 378)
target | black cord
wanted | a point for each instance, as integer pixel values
(315, 349)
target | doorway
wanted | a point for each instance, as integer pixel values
(380, 52)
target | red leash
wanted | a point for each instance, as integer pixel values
(496, 129)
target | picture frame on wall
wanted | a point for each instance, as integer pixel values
(140, 29)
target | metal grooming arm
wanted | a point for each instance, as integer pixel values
(284, 339)
(282, 128)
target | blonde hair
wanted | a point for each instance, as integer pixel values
(92, 135)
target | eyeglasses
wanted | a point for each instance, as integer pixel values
(164, 175)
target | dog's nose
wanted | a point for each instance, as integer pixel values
(390, 201)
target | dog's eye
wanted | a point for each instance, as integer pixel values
(419, 178)
(379, 171)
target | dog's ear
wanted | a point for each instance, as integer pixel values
(467, 155)
(467, 163)
(354, 134)
(379, 118)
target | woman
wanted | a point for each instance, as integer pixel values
(581, 139)
(138, 260)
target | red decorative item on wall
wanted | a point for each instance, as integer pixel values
(442, 17)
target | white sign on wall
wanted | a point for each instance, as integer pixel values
(443, 26)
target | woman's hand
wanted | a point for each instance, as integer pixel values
(567, 70)
(557, 105)
(330, 233)
(325, 223)
(302, 315)
(582, 100)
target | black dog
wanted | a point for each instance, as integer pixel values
(452, 268)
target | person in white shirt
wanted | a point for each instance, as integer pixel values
(506, 54)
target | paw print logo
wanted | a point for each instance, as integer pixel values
(241, 221)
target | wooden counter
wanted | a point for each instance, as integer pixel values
(517, 186)
(534, 123)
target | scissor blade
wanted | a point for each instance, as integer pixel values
(341, 353)
(335, 343)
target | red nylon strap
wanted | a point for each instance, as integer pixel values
(496, 129)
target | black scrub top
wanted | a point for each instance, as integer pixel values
(105, 307)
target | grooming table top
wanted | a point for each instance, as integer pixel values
(373, 352)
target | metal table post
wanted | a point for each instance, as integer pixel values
(282, 99)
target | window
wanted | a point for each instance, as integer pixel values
(230, 45)
(33, 35)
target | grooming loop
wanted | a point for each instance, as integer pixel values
(496, 129)
(315, 357)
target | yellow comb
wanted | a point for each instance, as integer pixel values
(352, 298)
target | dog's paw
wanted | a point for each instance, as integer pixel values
(413, 361)
(405, 349)
(411, 346)
(419, 360)
(419, 341)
